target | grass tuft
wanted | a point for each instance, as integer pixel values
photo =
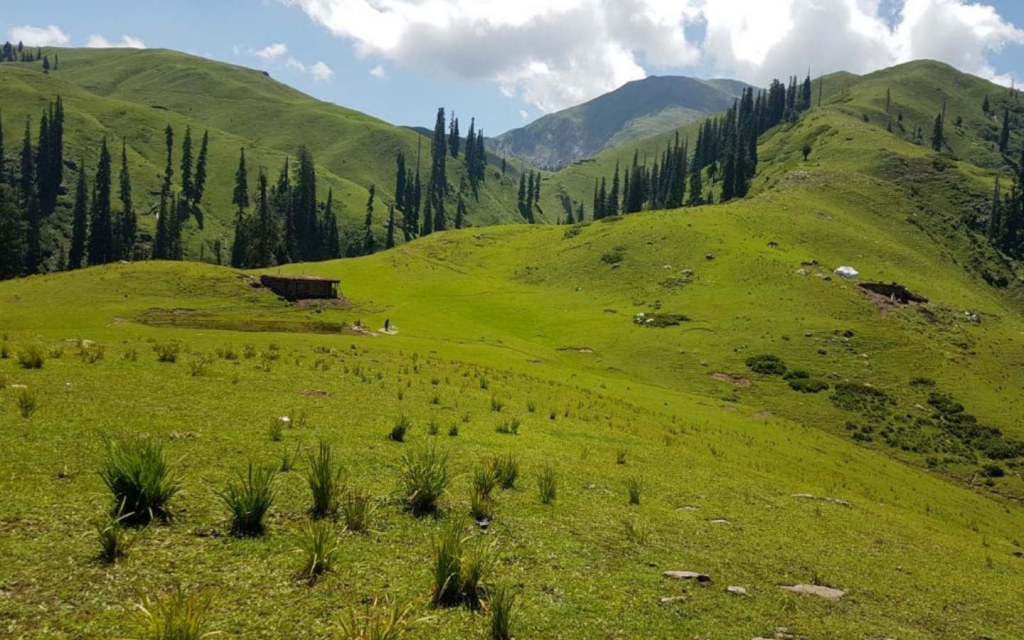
(176, 616)
(115, 540)
(634, 487)
(401, 427)
(547, 484)
(425, 478)
(460, 568)
(501, 600)
(31, 357)
(325, 482)
(385, 621)
(249, 499)
(506, 470)
(26, 403)
(319, 548)
(140, 479)
(357, 509)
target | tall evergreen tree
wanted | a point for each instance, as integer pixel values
(169, 167)
(186, 165)
(240, 196)
(265, 232)
(199, 184)
(937, 133)
(101, 239)
(79, 224)
(128, 222)
(12, 234)
(369, 244)
(453, 137)
(238, 246)
(304, 205)
(1004, 134)
(3, 161)
(611, 207)
(400, 177)
(460, 212)
(389, 242)
(30, 203)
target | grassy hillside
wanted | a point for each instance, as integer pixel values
(635, 111)
(863, 472)
(132, 95)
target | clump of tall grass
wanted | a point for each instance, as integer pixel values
(90, 352)
(497, 404)
(506, 470)
(325, 482)
(547, 484)
(400, 428)
(357, 509)
(166, 352)
(636, 531)
(31, 357)
(26, 403)
(139, 477)
(248, 499)
(176, 616)
(319, 548)
(484, 480)
(620, 457)
(197, 366)
(276, 429)
(114, 538)
(425, 479)
(501, 600)
(481, 507)
(509, 426)
(385, 621)
(633, 487)
(461, 567)
(288, 460)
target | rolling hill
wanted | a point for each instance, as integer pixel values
(132, 95)
(642, 354)
(634, 111)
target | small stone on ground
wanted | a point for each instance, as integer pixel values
(828, 593)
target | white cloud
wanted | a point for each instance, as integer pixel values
(554, 53)
(48, 36)
(96, 41)
(523, 114)
(379, 72)
(272, 51)
(319, 70)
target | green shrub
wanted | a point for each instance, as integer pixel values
(140, 479)
(425, 479)
(249, 499)
(5, 351)
(922, 382)
(319, 547)
(992, 471)
(385, 621)
(31, 357)
(453, 430)
(808, 385)
(357, 509)
(166, 352)
(478, 562)
(402, 426)
(506, 470)
(547, 484)
(325, 482)
(767, 365)
(176, 616)
(796, 374)
(502, 602)
(26, 403)
(862, 398)
(90, 352)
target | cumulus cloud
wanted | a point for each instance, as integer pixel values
(379, 72)
(319, 70)
(272, 51)
(96, 41)
(555, 53)
(48, 36)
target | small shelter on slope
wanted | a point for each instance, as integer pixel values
(301, 287)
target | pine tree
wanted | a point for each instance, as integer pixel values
(239, 244)
(400, 177)
(696, 188)
(369, 245)
(303, 215)
(453, 137)
(480, 157)
(995, 218)
(389, 242)
(30, 203)
(265, 232)
(169, 167)
(460, 212)
(128, 223)
(79, 224)
(101, 239)
(186, 165)
(12, 234)
(612, 204)
(240, 197)
(986, 107)
(199, 185)
(331, 242)
(3, 162)
(937, 133)
(1004, 135)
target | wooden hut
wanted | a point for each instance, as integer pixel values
(301, 287)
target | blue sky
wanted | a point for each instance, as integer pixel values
(508, 63)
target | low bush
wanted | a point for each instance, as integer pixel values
(31, 357)
(115, 540)
(767, 364)
(166, 352)
(809, 385)
(459, 569)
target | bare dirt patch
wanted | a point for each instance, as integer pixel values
(740, 381)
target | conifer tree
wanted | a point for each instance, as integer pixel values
(304, 219)
(400, 177)
(985, 106)
(12, 234)
(240, 197)
(369, 245)
(460, 212)
(389, 242)
(79, 224)
(612, 204)
(30, 203)
(101, 238)
(199, 184)
(238, 245)
(3, 162)
(128, 222)
(1004, 134)
(186, 165)
(453, 137)
(169, 167)
(937, 133)
(265, 232)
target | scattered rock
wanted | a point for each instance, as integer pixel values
(666, 600)
(718, 521)
(688, 575)
(19, 386)
(736, 591)
(809, 496)
(709, 256)
(182, 435)
(840, 502)
(689, 508)
(828, 593)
